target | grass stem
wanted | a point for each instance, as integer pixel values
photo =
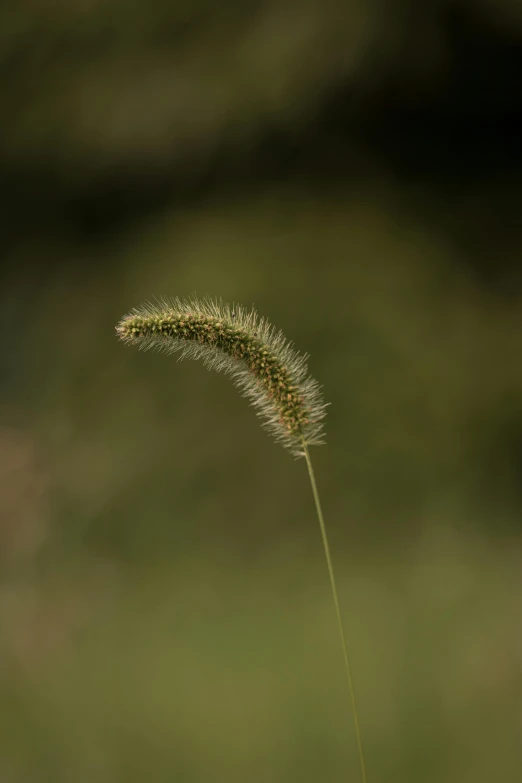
(337, 609)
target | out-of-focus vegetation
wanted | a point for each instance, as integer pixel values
(353, 169)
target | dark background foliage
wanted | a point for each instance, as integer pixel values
(353, 169)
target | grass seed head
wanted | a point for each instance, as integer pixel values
(261, 361)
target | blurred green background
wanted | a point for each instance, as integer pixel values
(354, 170)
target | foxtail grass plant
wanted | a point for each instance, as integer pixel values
(267, 369)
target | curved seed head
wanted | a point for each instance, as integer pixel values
(261, 361)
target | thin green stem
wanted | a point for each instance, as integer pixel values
(337, 609)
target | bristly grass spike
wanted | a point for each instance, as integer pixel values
(262, 362)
